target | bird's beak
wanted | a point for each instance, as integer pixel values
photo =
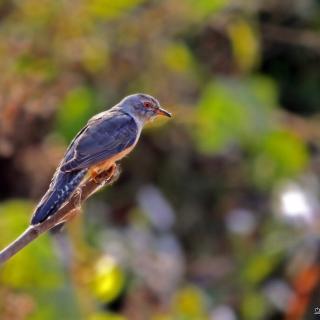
(162, 112)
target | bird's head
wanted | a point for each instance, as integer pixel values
(143, 107)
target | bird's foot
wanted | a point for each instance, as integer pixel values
(77, 198)
(111, 172)
(94, 174)
(107, 176)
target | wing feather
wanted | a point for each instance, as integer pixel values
(101, 139)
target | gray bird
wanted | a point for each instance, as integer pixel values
(107, 138)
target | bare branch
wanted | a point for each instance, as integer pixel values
(295, 37)
(70, 209)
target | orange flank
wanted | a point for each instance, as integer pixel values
(109, 164)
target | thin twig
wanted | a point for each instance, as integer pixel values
(295, 37)
(70, 209)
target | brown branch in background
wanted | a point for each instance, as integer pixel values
(308, 129)
(70, 209)
(295, 37)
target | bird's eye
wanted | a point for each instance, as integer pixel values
(147, 104)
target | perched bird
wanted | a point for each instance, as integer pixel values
(107, 138)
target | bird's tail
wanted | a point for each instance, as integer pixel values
(61, 188)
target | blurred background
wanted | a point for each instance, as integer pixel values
(216, 213)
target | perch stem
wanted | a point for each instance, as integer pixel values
(66, 212)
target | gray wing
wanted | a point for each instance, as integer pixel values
(102, 138)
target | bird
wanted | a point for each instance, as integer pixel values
(99, 145)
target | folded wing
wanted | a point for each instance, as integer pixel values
(101, 139)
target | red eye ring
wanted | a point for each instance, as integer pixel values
(147, 104)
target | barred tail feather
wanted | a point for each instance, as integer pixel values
(60, 190)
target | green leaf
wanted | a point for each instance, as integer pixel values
(108, 9)
(36, 264)
(234, 111)
(75, 111)
(253, 306)
(204, 8)
(279, 154)
(35, 270)
(178, 57)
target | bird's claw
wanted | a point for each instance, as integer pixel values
(77, 198)
(104, 176)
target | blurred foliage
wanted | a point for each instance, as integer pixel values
(235, 110)
(108, 280)
(76, 109)
(216, 212)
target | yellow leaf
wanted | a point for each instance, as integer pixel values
(108, 279)
(245, 44)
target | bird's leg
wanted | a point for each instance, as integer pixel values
(77, 198)
(111, 171)
(94, 174)
(99, 175)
